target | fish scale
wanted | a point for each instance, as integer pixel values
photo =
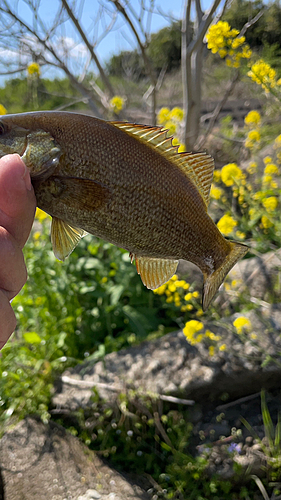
(127, 184)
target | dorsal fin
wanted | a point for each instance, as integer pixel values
(198, 167)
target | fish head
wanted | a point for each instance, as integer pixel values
(37, 148)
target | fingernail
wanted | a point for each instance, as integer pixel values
(26, 178)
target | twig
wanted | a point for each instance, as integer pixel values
(238, 401)
(179, 401)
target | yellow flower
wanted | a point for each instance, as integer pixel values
(253, 118)
(271, 168)
(176, 114)
(267, 159)
(40, 215)
(242, 324)
(36, 235)
(216, 192)
(266, 222)
(163, 116)
(160, 290)
(252, 137)
(240, 235)
(171, 126)
(231, 172)
(263, 74)
(3, 110)
(217, 175)
(222, 347)
(117, 104)
(278, 141)
(211, 350)
(266, 179)
(191, 329)
(195, 295)
(33, 69)
(225, 41)
(226, 224)
(270, 203)
(188, 297)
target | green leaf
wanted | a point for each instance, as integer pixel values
(32, 338)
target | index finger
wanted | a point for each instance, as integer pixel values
(17, 198)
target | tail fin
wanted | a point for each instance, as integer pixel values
(214, 280)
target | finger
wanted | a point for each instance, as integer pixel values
(7, 319)
(17, 198)
(13, 271)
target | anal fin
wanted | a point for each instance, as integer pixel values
(155, 272)
(64, 238)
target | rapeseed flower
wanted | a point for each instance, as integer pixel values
(3, 110)
(271, 168)
(267, 159)
(117, 104)
(40, 215)
(33, 69)
(163, 116)
(227, 43)
(226, 224)
(216, 192)
(251, 169)
(252, 138)
(191, 330)
(231, 173)
(270, 203)
(266, 222)
(176, 114)
(253, 118)
(263, 74)
(242, 324)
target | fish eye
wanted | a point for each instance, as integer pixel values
(2, 128)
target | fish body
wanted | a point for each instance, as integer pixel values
(126, 184)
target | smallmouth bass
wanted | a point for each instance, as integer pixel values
(126, 184)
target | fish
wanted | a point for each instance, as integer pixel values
(127, 184)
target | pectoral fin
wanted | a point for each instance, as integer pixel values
(64, 238)
(81, 194)
(155, 272)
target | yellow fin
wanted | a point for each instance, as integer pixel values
(155, 272)
(215, 279)
(64, 238)
(198, 167)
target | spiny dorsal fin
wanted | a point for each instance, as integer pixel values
(198, 167)
(64, 238)
(155, 272)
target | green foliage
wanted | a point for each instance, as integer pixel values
(127, 64)
(139, 436)
(266, 32)
(17, 95)
(165, 47)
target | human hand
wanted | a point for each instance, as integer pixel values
(17, 209)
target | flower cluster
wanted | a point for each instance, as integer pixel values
(181, 294)
(228, 44)
(226, 224)
(171, 120)
(231, 173)
(195, 333)
(263, 74)
(117, 104)
(242, 325)
(33, 69)
(3, 110)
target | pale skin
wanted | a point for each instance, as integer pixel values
(17, 209)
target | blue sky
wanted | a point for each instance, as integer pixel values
(67, 40)
(119, 38)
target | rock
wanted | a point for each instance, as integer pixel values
(171, 366)
(46, 462)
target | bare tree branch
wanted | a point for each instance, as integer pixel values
(89, 47)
